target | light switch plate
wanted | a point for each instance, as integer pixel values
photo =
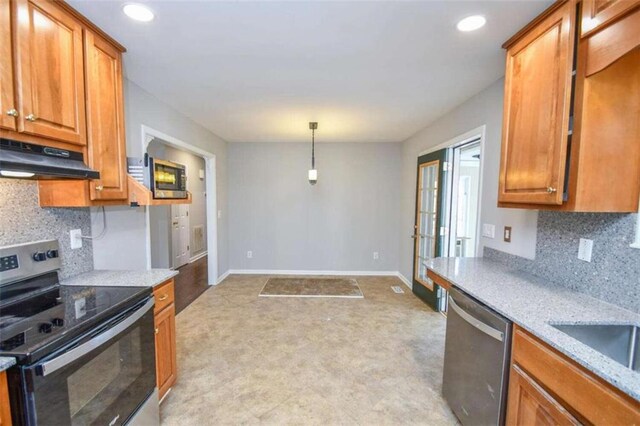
(488, 230)
(507, 234)
(376, 255)
(584, 249)
(249, 255)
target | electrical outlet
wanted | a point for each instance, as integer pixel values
(249, 255)
(76, 238)
(219, 214)
(488, 230)
(507, 234)
(376, 255)
(584, 249)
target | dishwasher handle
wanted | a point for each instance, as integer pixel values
(488, 330)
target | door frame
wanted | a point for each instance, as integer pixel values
(149, 134)
(464, 138)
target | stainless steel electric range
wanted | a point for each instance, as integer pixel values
(85, 355)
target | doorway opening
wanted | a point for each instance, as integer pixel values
(178, 231)
(447, 220)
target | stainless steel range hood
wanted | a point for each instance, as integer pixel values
(25, 160)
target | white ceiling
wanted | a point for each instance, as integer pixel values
(260, 71)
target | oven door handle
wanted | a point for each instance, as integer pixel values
(67, 358)
(486, 329)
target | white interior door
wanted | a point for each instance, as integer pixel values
(180, 234)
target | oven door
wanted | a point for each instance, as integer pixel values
(102, 379)
(168, 180)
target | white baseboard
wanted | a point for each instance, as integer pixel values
(222, 277)
(198, 256)
(404, 280)
(305, 272)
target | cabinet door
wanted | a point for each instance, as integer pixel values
(530, 404)
(166, 368)
(105, 119)
(536, 111)
(5, 409)
(597, 14)
(8, 107)
(49, 72)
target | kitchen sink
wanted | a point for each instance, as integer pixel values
(619, 342)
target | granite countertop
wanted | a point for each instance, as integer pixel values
(149, 278)
(534, 303)
(6, 362)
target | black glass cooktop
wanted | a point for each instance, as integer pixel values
(40, 316)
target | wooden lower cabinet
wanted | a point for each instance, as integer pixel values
(5, 409)
(530, 404)
(165, 329)
(547, 388)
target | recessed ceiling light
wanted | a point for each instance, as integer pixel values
(471, 23)
(138, 12)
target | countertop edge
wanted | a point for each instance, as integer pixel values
(6, 362)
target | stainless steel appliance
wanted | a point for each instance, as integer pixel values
(25, 160)
(85, 355)
(167, 179)
(476, 361)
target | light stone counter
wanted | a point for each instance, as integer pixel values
(143, 278)
(535, 303)
(6, 362)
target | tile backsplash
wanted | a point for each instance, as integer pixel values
(23, 220)
(613, 275)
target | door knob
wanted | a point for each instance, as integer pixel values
(551, 190)
(31, 117)
(414, 236)
(13, 112)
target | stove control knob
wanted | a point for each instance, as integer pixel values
(39, 256)
(52, 254)
(45, 327)
(57, 322)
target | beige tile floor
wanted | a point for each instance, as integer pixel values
(244, 359)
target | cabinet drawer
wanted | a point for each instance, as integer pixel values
(164, 296)
(585, 395)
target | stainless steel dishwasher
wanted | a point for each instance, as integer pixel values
(476, 361)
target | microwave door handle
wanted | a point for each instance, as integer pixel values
(67, 358)
(486, 329)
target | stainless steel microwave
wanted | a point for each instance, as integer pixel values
(167, 179)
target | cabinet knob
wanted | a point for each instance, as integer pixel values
(31, 117)
(13, 112)
(99, 187)
(157, 330)
(551, 190)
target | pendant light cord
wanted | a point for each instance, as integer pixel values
(313, 148)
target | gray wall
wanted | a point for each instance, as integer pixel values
(123, 247)
(335, 225)
(612, 275)
(484, 108)
(160, 216)
(22, 221)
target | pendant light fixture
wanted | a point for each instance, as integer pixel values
(313, 173)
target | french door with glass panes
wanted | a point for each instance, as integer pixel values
(429, 235)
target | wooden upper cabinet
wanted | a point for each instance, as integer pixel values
(597, 14)
(8, 106)
(536, 109)
(105, 119)
(49, 71)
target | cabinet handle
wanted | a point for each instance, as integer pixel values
(31, 117)
(13, 112)
(157, 330)
(163, 297)
(99, 187)
(551, 190)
